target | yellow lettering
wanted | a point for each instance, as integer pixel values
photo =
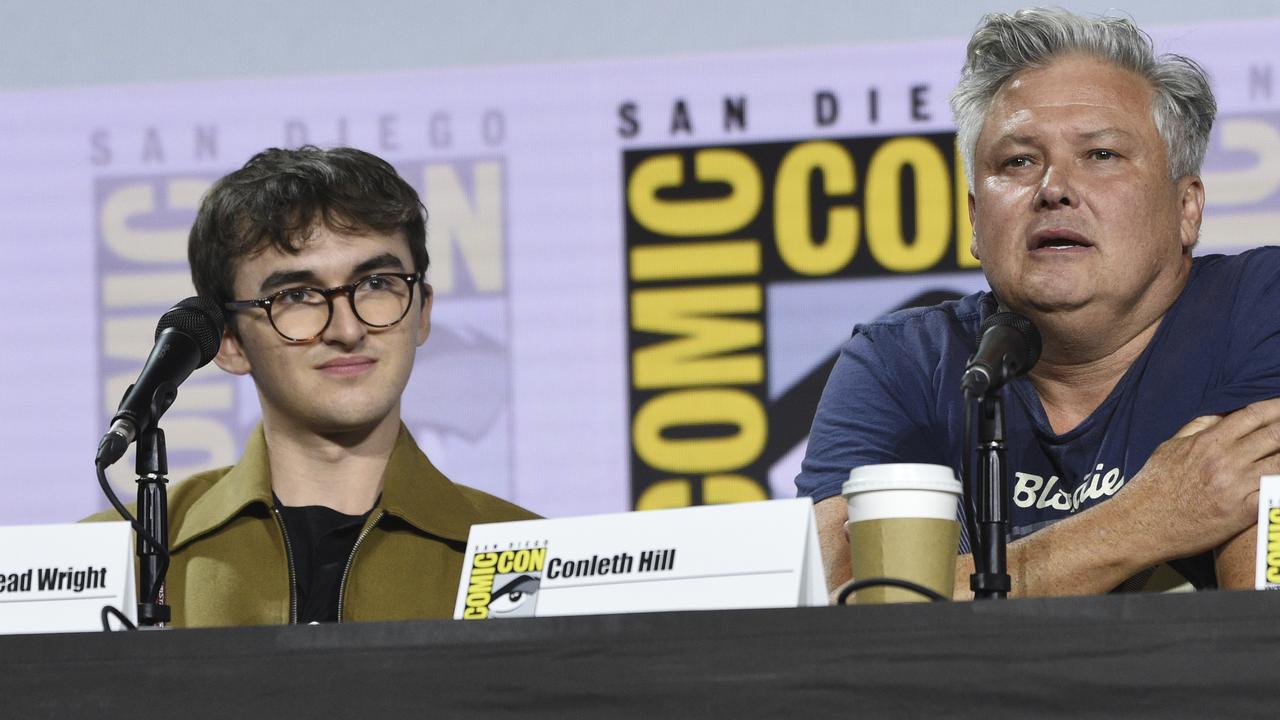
(480, 586)
(537, 556)
(665, 494)
(681, 261)
(792, 208)
(723, 489)
(884, 205)
(703, 351)
(695, 217)
(518, 561)
(730, 407)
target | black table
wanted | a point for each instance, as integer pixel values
(1213, 654)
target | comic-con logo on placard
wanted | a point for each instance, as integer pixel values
(142, 223)
(1270, 549)
(747, 267)
(504, 583)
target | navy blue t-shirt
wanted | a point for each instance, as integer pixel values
(894, 396)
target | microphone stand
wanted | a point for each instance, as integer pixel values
(990, 580)
(153, 514)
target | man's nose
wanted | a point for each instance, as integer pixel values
(1055, 189)
(345, 329)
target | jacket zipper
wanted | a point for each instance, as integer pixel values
(293, 578)
(342, 586)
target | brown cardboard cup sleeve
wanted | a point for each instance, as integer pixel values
(902, 524)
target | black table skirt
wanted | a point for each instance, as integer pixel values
(1213, 654)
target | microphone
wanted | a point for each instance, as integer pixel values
(1009, 346)
(187, 337)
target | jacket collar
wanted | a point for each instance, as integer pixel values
(412, 490)
(246, 483)
(416, 492)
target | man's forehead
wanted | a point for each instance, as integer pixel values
(1080, 96)
(1027, 127)
(327, 254)
(1075, 81)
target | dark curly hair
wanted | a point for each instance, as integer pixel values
(279, 198)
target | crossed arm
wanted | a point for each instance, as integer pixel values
(1197, 491)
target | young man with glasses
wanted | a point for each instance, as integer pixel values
(333, 513)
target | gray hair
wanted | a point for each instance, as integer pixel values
(1003, 45)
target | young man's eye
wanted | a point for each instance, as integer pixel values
(295, 297)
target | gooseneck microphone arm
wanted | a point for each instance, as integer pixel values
(187, 337)
(1009, 345)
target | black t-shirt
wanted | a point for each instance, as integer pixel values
(321, 540)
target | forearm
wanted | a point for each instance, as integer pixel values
(831, 515)
(1089, 553)
(1236, 561)
(1085, 554)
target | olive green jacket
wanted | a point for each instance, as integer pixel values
(229, 564)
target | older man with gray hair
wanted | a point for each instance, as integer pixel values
(1137, 441)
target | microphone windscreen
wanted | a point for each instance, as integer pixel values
(200, 319)
(1024, 327)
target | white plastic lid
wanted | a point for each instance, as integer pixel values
(901, 476)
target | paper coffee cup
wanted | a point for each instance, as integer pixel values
(902, 524)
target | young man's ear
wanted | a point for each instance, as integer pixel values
(231, 355)
(424, 318)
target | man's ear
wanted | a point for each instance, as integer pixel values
(424, 317)
(1191, 201)
(231, 355)
(973, 241)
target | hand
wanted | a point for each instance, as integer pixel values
(1200, 487)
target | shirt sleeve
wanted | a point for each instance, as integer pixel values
(1251, 361)
(861, 419)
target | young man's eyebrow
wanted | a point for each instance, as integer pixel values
(385, 261)
(287, 277)
(280, 278)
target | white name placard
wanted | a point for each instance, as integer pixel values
(746, 555)
(1268, 575)
(57, 578)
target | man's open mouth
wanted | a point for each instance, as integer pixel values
(1058, 239)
